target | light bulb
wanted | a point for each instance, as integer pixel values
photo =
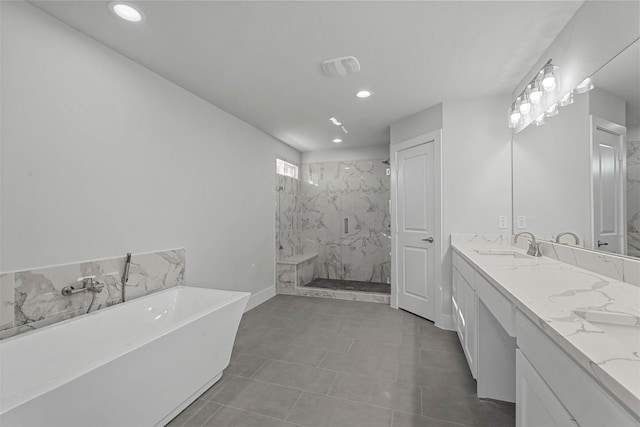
(337, 140)
(549, 79)
(536, 93)
(515, 116)
(363, 94)
(525, 105)
(126, 11)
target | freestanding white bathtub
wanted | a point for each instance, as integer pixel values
(134, 364)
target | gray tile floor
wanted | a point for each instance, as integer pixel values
(302, 361)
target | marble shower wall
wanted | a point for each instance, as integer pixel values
(358, 191)
(633, 198)
(32, 299)
(288, 233)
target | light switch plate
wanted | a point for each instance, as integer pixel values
(522, 222)
(502, 222)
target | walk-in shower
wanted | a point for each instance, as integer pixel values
(344, 218)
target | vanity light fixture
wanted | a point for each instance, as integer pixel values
(335, 121)
(126, 11)
(528, 105)
(363, 94)
(540, 120)
(337, 140)
(585, 86)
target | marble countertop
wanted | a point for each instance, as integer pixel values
(554, 295)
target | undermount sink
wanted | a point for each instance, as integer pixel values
(621, 326)
(502, 253)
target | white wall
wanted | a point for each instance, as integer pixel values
(476, 181)
(100, 156)
(416, 124)
(476, 172)
(375, 152)
(552, 173)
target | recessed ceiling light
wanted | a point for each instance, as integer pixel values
(363, 94)
(337, 140)
(126, 11)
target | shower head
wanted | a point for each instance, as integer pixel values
(386, 162)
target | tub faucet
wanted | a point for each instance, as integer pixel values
(534, 247)
(575, 236)
(88, 285)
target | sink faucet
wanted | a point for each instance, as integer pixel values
(569, 233)
(534, 247)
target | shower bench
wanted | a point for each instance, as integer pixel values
(295, 271)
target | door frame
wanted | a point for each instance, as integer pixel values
(616, 129)
(434, 137)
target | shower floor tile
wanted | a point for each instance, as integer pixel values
(350, 285)
(409, 373)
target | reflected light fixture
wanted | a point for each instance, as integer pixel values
(335, 121)
(363, 94)
(126, 11)
(585, 86)
(337, 140)
(566, 100)
(551, 111)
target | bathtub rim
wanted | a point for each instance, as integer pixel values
(52, 385)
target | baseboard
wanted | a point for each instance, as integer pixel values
(258, 298)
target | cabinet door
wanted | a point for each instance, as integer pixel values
(470, 311)
(458, 305)
(536, 405)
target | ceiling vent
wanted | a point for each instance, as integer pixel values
(340, 67)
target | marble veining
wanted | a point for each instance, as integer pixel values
(37, 301)
(288, 231)
(357, 192)
(552, 293)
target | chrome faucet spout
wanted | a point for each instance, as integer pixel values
(575, 236)
(534, 247)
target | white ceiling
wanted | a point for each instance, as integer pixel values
(621, 78)
(260, 61)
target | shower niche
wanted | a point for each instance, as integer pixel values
(343, 213)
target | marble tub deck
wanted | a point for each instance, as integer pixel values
(549, 292)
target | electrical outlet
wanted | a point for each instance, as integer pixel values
(522, 222)
(502, 222)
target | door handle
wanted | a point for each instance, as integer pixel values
(428, 239)
(602, 243)
(346, 226)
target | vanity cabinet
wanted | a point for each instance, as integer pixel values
(537, 406)
(465, 317)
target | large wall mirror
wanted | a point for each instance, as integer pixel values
(580, 170)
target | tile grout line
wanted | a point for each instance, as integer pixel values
(261, 415)
(293, 406)
(215, 412)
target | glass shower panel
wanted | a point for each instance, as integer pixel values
(366, 241)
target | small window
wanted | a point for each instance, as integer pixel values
(286, 169)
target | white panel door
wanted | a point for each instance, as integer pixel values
(609, 186)
(415, 229)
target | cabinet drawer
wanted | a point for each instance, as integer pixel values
(464, 268)
(501, 308)
(588, 403)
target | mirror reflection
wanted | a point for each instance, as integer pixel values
(580, 171)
